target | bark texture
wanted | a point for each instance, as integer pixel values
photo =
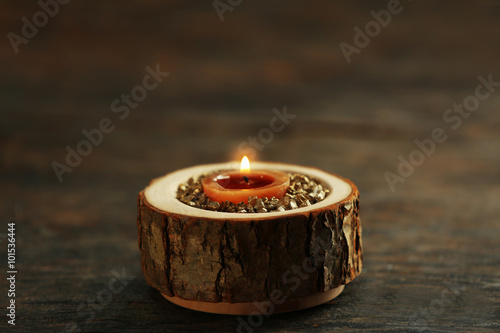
(243, 261)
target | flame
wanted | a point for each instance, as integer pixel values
(245, 165)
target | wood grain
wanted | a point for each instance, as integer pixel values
(437, 235)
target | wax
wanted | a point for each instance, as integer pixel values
(238, 186)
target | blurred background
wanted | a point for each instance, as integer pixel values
(230, 64)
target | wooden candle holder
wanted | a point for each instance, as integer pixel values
(240, 263)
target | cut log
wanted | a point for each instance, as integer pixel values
(227, 262)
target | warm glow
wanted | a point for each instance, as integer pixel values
(245, 165)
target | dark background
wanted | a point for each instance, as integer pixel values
(354, 119)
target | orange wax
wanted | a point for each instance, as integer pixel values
(238, 186)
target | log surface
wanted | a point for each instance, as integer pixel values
(436, 235)
(236, 261)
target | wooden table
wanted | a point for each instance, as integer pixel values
(431, 247)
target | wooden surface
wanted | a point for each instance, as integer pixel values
(440, 225)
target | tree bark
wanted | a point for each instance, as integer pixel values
(225, 260)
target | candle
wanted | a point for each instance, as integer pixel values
(237, 186)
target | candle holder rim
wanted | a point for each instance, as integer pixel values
(179, 208)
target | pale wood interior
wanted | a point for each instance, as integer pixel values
(161, 193)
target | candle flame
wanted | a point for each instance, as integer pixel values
(245, 165)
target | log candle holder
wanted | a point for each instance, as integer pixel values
(239, 263)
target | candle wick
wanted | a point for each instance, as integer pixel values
(246, 178)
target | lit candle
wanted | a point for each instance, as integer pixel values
(238, 186)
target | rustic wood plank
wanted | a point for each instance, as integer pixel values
(431, 248)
